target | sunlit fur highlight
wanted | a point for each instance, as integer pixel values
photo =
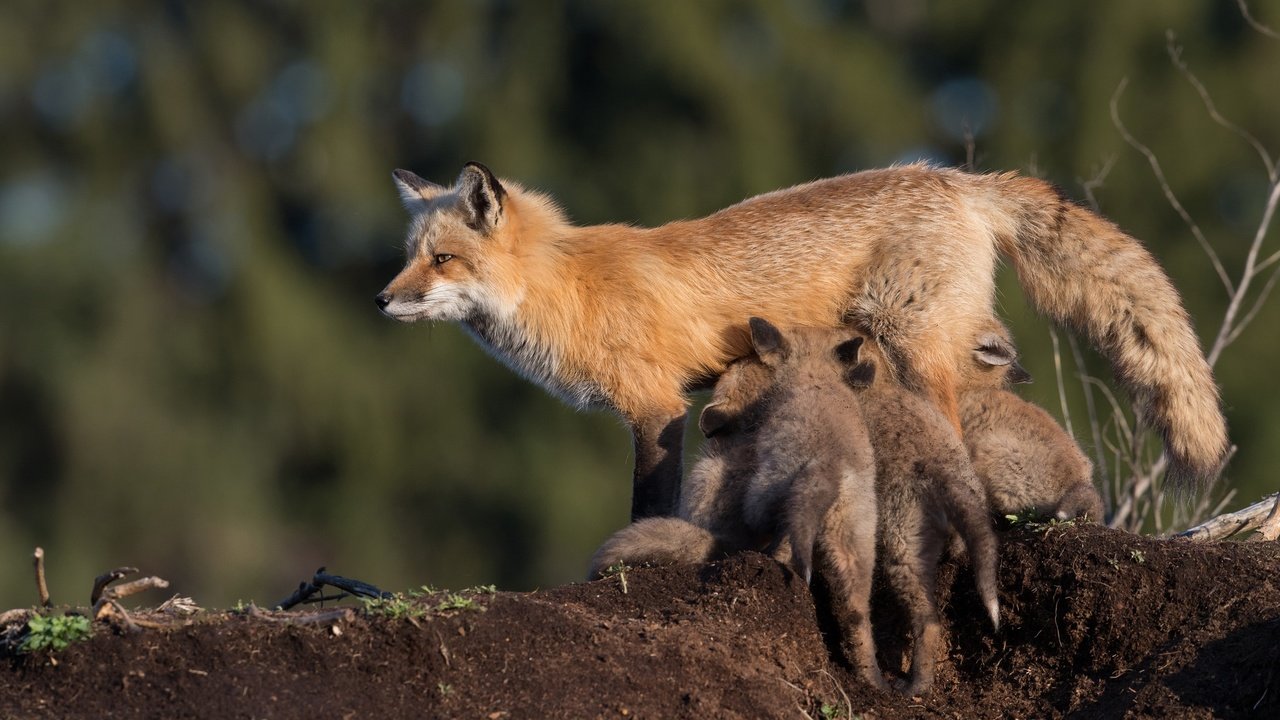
(629, 317)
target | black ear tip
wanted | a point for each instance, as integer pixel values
(848, 351)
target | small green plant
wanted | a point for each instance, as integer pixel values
(455, 601)
(482, 590)
(1137, 556)
(1036, 522)
(831, 711)
(424, 590)
(55, 633)
(445, 688)
(618, 569)
(396, 606)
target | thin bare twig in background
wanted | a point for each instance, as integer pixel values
(1168, 190)
(1095, 426)
(1062, 388)
(1244, 10)
(1175, 56)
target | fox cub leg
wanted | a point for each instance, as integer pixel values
(910, 562)
(847, 551)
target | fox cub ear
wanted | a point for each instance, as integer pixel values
(482, 197)
(994, 350)
(413, 189)
(712, 420)
(847, 351)
(767, 340)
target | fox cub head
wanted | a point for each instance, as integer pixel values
(735, 403)
(450, 268)
(997, 360)
(812, 354)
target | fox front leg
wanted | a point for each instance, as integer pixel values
(659, 441)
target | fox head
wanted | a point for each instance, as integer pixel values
(450, 261)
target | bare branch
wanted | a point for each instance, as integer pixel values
(1246, 277)
(10, 617)
(1244, 10)
(346, 614)
(1253, 311)
(1270, 528)
(307, 589)
(101, 582)
(42, 587)
(1097, 181)
(134, 587)
(1225, 526)
(1062, 390)
(1168, 190)
(970, 148)
(1271, 260)
(1094, 426)
(1175, 56)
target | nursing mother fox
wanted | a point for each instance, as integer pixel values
(632, 318)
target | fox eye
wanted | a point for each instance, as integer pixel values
(443, 258)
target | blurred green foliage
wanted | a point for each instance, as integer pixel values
(196, 211)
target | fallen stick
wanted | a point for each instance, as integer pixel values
(101, 582)
(10, 617)
(1270, 528)
(113, 611)
(135, 586)
(355, 587)
(41, 586)
(1233, 523)
(346, 614)
(306, 590)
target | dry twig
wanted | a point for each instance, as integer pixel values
(41, 586)
(345, 614)
(1270, 528)
(306, 590)
(101, 582)
(1222, 527)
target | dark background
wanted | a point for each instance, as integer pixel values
(196, 210)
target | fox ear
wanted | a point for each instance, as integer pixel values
(994, 350)
(482, 197)
(847, 351)
(1017, 375)
(413, 189)
(767, 340)
(712, 419)
(861, 375)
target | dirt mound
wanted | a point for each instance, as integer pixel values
(1095, 622)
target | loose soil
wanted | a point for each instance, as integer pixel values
(1096, 623)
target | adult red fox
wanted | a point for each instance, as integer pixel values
(631, 318)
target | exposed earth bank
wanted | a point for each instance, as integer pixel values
(1096, 623)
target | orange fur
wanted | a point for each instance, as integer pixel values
(629, 318)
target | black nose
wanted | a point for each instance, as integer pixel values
(383, 300)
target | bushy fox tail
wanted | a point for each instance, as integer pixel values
(658, 540)
(1082, 271)
(967, 511)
